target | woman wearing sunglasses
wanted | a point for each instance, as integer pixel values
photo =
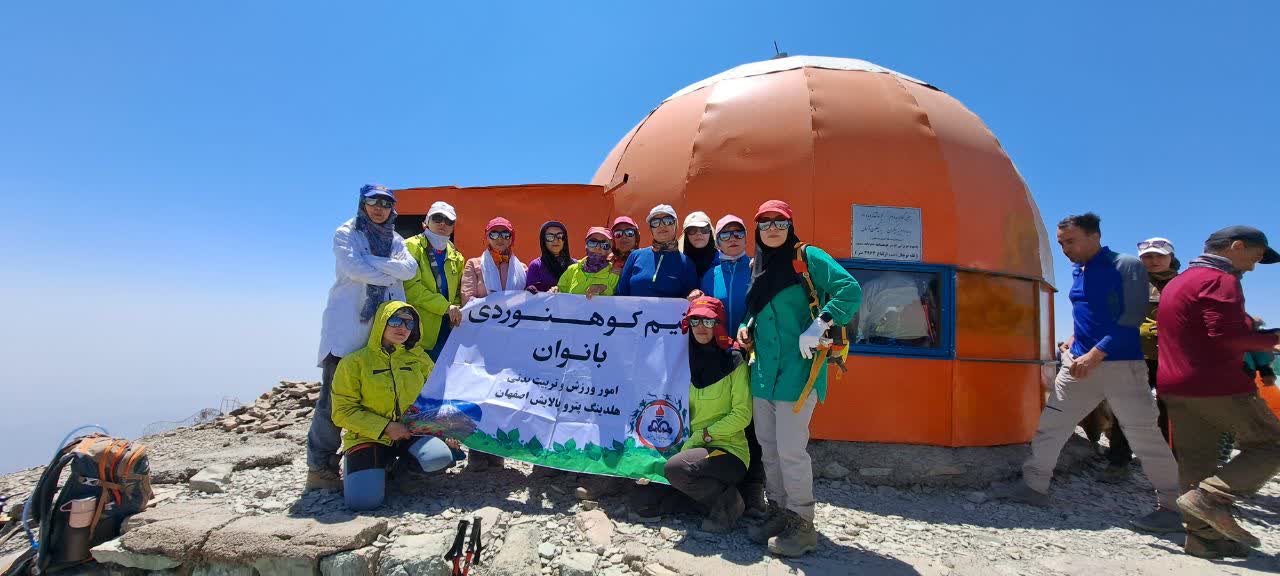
(592, 275)
(498, 269)
(626, 236)
(371, 265)
(785, 337)
(661, 270)
(714, 459)
(371, 390)
(545, 270)
(697, 244)
(434, 290)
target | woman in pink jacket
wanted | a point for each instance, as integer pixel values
(498, 270)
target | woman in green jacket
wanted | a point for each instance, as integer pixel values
(784, 336)
(435, 291)
(371, 390)
(592, 275)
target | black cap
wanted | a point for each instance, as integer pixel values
(1248, 235)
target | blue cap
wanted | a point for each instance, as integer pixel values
(376, 190)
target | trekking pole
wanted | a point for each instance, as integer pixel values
(455, 552)
(473, 546)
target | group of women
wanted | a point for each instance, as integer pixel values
(752, 339)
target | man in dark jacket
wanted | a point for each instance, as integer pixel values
(1204, 332)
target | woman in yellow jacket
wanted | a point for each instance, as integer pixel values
(435, 292)
(371, 390)
(592, 276)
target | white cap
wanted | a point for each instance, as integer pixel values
(1155, 246)
(662, 209)
(698, 220)
(443, 208)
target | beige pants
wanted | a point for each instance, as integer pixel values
(1123, 384)
(784, 451)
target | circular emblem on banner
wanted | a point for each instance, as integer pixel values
(659, 425)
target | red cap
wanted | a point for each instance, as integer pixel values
(775, 206)
(708, 307)
(500, 221)
(598, 230)
(623, 220)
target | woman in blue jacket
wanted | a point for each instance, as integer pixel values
(660, 271)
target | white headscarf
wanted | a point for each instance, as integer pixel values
(493, 280)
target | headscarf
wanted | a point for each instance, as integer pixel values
(771, 271)
(711, 362)
(617, 257)
(490, 260)
(556, 264)
(381, 237)
(596, 262)
(702, 257)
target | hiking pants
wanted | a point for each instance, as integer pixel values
(324, 439)
(1198, 423)
(1120, 454)
(1123, 384)
(754, 478)
(784, 451)
(706, 477)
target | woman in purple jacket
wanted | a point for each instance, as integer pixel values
(545, 270)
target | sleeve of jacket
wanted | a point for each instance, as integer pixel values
(348, 413)
(624, 281)
(1226, 321)
(740, 411)
(470, 278)
(566, 279)
(355, 265)
(842, 289)
(708, 283)
(400, 265)
(419, 295)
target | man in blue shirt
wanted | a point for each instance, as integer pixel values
(1102, 361)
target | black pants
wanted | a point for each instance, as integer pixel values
(754, 478)
(698, 477)
(392, 458)
(1120, 454)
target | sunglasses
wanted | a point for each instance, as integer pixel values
(379, 202)
(440, 219)
(780, 224)
(701, 230)
(662, 221)
(553, 236)
(398, 322)
(703, 322)
(499, 235)
(1154, 244)
(727, 234)
(602, 244)
(627, 232)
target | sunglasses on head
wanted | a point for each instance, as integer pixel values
(440, 219)
(780, 224)
(553, 236)
(379, 202)
(704, 322)
(627, 232)
(602, 244)
(399, 322)
(698, 230)
(1153, 244)
(727, 234)
(496, 235)
(662, 221)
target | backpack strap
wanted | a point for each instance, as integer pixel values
(801, 265)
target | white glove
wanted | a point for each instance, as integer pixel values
(811, 338)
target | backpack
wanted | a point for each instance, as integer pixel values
(109, 479)
(837, 334)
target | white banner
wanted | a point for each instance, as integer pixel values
(596, 385)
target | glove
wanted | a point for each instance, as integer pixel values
(810, 339)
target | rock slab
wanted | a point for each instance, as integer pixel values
(519, 553)
(213, 479)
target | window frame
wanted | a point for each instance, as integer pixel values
(946, 349)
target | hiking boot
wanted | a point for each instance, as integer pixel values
(1214, 549)
(323, 480)
(797, 539)
(756, 506)
(1018, 491)
(724, 513)
(1114, 474)
(1161, 521)
(1216, 513)
(480, 461)
(775, 521)
(597, 487)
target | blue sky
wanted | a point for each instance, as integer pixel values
(174, 171)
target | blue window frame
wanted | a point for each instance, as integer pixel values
(908, 309)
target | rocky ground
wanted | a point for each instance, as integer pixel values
(230, 503)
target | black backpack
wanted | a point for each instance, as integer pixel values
(109, 480)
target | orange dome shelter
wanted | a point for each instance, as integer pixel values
(890, 175)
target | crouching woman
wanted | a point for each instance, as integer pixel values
(371, 390)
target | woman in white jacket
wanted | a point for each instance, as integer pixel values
(372, 263)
